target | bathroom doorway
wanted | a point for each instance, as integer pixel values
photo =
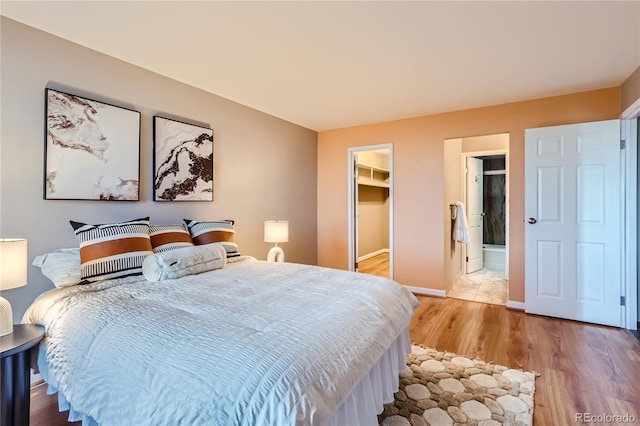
(483, 261)
(371, 210)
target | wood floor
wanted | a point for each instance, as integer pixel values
(376, 265)
(583, 368)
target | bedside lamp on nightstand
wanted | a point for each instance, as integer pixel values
(13, 274)
(276, 231)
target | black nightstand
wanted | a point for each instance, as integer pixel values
(16, 361)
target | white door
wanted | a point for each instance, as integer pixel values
(573, 227)
(475, 214)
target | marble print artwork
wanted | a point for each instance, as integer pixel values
(183, 161)
(92, 149)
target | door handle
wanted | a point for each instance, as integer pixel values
(532, 220)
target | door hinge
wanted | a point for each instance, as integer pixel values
(623, 301)
(622, 143)
(467, 258)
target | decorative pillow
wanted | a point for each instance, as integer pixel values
(169, 237)
(185, 261)
(219, 231)
(112, 250)
(62, 266)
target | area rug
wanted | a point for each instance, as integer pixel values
(442, 389)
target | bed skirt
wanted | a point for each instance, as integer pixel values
(366, 401)
(361, 407)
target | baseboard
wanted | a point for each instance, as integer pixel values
(425, 291)
(35, 378)
(373, 254)
(515, 305)
(636, 332)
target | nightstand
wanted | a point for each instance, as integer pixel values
(16, 362)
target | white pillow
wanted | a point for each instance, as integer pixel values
(62, 266)
(184, 261)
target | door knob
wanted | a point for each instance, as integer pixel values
(532, 220)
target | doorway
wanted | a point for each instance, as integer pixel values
(371, 210)
(479, 268)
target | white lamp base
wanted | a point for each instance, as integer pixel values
(6, 317)
(275, 255)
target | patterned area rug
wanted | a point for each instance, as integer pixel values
(442, 388)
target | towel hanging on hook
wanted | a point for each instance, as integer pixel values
(460, 226)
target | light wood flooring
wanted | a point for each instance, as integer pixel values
(583, 368)
(376, 265)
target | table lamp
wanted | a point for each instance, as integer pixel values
(276, 231)
(13, 274)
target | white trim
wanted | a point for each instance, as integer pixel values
(426, 291)
(632, 111)
(35, 377)
(629, 126)
(373, 254)
(628, 132)
(515, 305)
(350, 193)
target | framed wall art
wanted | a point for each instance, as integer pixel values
(92, 149)
(182, 161)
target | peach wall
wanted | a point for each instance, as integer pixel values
(419, 179)
(452, 191)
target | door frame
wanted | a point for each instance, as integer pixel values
(352, 191)
(463, 159)
(629, 122)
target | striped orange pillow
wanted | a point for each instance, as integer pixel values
(169, 237)
(218, 231)
(112, 250)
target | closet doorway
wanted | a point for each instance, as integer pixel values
(371, 210)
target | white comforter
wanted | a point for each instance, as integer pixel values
(254, 343)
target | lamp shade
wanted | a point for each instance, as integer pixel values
(13, 263)
(276, 231)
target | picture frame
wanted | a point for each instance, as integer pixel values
(92, 149)
(182, 161)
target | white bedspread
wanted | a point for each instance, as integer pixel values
(254, 343)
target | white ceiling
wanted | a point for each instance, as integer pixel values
(332, 64)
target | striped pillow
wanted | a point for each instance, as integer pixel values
(169, 237)
(219, 231)
(112, 250)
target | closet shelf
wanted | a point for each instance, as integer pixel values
(373, 175)
(376, 168)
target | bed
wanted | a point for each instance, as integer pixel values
(250, 343)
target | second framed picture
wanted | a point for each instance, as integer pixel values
(182, 161)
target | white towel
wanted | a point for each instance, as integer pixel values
(460, 227)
